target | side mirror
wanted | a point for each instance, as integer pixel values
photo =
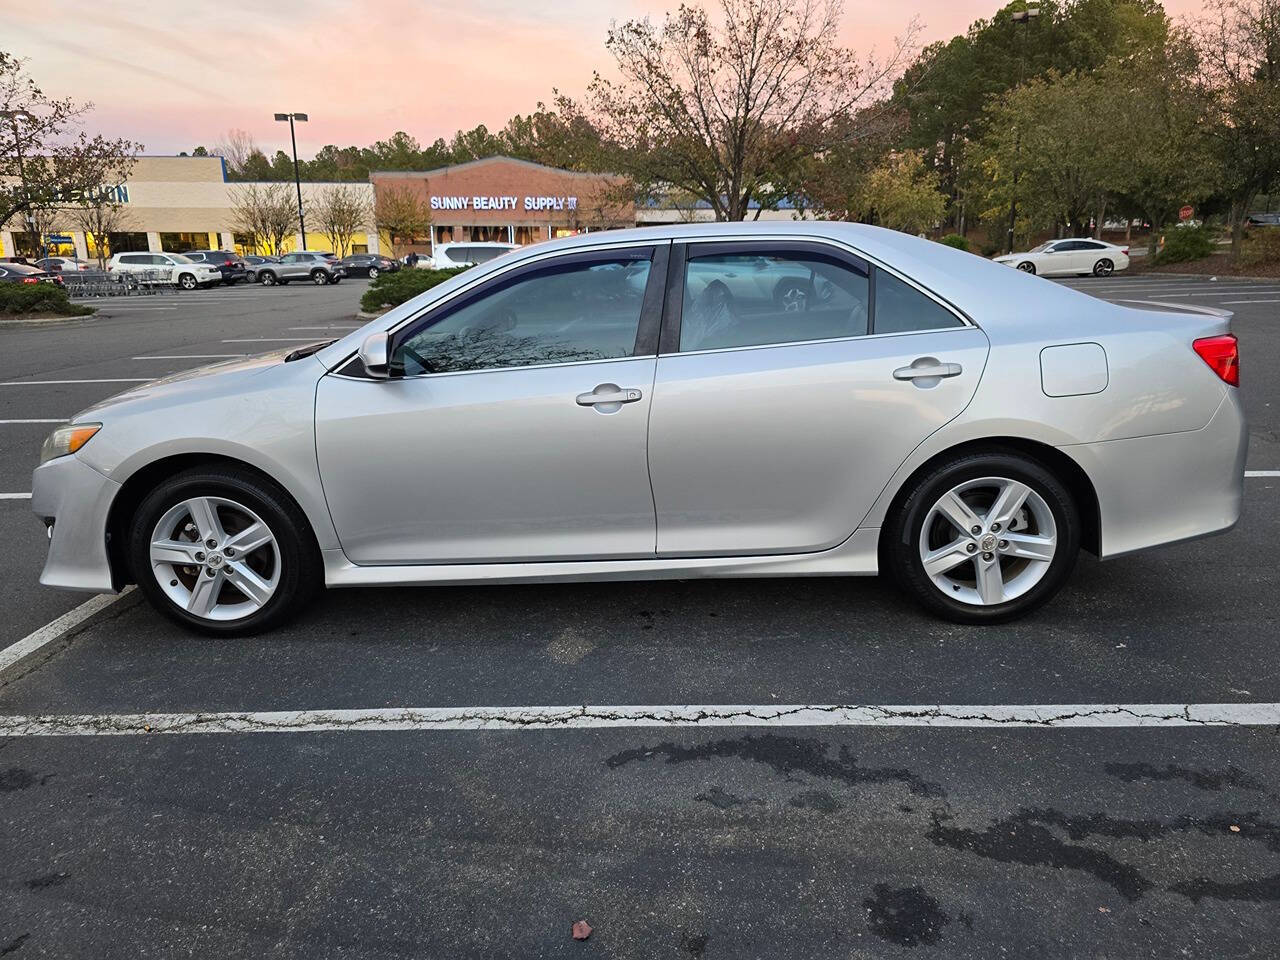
(374, 354)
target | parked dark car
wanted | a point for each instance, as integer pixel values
(11, 272)
(22, 260)
(1263, 220)
(368, 265)
(230, 264)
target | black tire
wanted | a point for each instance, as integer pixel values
(267, 278)
(319, 278)
(1103, 268)
(1026, 266)
(373, 273)
(900, 553)
(301, 568)
(187, 281)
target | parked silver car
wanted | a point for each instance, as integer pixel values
(319, 268)
(719, 400)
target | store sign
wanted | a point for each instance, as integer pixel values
(455, 202)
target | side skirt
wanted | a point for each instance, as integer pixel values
(857, 556)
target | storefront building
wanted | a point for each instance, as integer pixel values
(173, 204)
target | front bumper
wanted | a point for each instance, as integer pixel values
(76, 498)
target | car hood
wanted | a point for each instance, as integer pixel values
(215, 379)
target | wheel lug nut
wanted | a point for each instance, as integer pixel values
(229, 552)
(200, 556)
(211, 543)
(971, 547)
(987, 556)
(995, 527)
(1004, 544)
(975, 530)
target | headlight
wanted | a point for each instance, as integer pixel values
(67, 440)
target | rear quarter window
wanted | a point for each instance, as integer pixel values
(901, 308)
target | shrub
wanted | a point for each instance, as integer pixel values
(393, 289)
(1186, 243)
(26, 299)
(957, 241)
(1262, 247)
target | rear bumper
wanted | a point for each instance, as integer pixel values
(1176, 486)
(77, 499)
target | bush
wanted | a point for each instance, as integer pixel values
(26, 299)
(1262, 247)
(393, 289)
(955, 240)
(1182, 244)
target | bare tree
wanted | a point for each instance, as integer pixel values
(100, 214)
(728, 107)
(44, 162)
(1238, 42)
(402, 213)
(340, 211)
(235, 147)
(265, 213)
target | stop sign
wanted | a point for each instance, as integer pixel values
(1186, 212)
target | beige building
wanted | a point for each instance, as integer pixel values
(174, 204)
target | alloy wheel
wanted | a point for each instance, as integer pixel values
(1103, 268)
(1026, 266)
(373, 273)
(215, 558)
(988, 541)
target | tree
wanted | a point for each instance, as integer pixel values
(44, 161)
(235, 147)
(99, 213)
(339, 212)
(902, 194)
(727, 107)
(401, 212)
(265, 213)
(1238, 42)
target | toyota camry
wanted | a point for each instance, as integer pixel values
(719, 400)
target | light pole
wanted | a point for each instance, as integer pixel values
(1024, 17)
(297, 178)
(12, 116)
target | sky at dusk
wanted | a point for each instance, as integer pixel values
(176, 75)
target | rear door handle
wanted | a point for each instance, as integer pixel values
(927, 367)
(609, 393)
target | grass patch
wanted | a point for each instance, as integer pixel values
(393, 289)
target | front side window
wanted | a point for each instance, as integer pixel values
(901, 308)
(749, 299)
(578, 311)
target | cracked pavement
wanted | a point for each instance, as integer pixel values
(412, 803)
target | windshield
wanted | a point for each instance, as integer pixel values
(1040, 249)
(179, 258)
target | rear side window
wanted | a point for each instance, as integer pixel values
(901, 308)
(755, 298)
(485, 254)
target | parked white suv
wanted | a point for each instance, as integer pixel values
(179, 270)
(450, 255)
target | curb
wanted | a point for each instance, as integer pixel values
(364, 315)
(46, 321)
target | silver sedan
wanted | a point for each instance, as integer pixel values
(729, 400)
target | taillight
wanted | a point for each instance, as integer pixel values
(1222, 354)
(30, 280)
(1125, 251)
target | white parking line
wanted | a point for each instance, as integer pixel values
(15, 496)
(1262, 473)
(37, 383)
(57, 629)
(58, 420)
(1249, 301)
(272, 340)
(998, 716)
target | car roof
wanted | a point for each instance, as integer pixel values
(22, 267)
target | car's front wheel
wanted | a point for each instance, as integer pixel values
(373, 273)
(319, 278)
(1103, 268)
(1026, 266)
(267, 278)
(187, 282)
(984, 537)
(224, 551)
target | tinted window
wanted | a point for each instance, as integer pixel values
(738, 300)
(901, 308)
(485, 254)
(136, 258)
(559, 314)
(458, 254)
(1090, 245)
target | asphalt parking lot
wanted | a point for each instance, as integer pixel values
(350, 832)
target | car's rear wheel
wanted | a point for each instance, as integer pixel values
(224, 552)
(267, 278)
(1103, 268)
(983, 538)
(319, 278)
(187, 281)
(1026, 266)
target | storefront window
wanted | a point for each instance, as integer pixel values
(182, 242)
(527, 235)
(444, 234)
(489, 234)
(116, 243)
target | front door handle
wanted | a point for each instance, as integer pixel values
(926, 368)
(609, 393)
